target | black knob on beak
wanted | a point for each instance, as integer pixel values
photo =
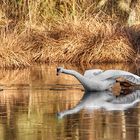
(57, 71)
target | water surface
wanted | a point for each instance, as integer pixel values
(32, 98)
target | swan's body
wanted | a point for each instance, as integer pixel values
(104, 100)
(99, 80)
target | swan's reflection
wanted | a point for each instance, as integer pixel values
(104, 100)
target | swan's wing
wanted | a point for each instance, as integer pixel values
(131, 79)
(92, 73)
(115, 74)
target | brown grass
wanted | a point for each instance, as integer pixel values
(87, 41)
(65, 31)
(84, 42)
(11, 54)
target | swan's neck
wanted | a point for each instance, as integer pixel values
(77, 75)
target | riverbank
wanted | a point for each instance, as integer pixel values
(84, 42)
(28, 38)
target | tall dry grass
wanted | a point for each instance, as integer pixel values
(83, 42)
(11, 54)
(65, 31)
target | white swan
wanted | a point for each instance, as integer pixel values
(99, 80)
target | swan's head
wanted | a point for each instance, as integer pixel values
(59, 70)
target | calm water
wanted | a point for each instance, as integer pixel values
(32, 98)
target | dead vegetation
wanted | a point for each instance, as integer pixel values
(85, 42)
(73, 31)
(11, 54)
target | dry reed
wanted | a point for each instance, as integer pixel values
(65, 31)
(11, 54)
(85, 42)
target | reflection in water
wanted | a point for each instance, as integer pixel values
(32, 97)
(104, 100)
